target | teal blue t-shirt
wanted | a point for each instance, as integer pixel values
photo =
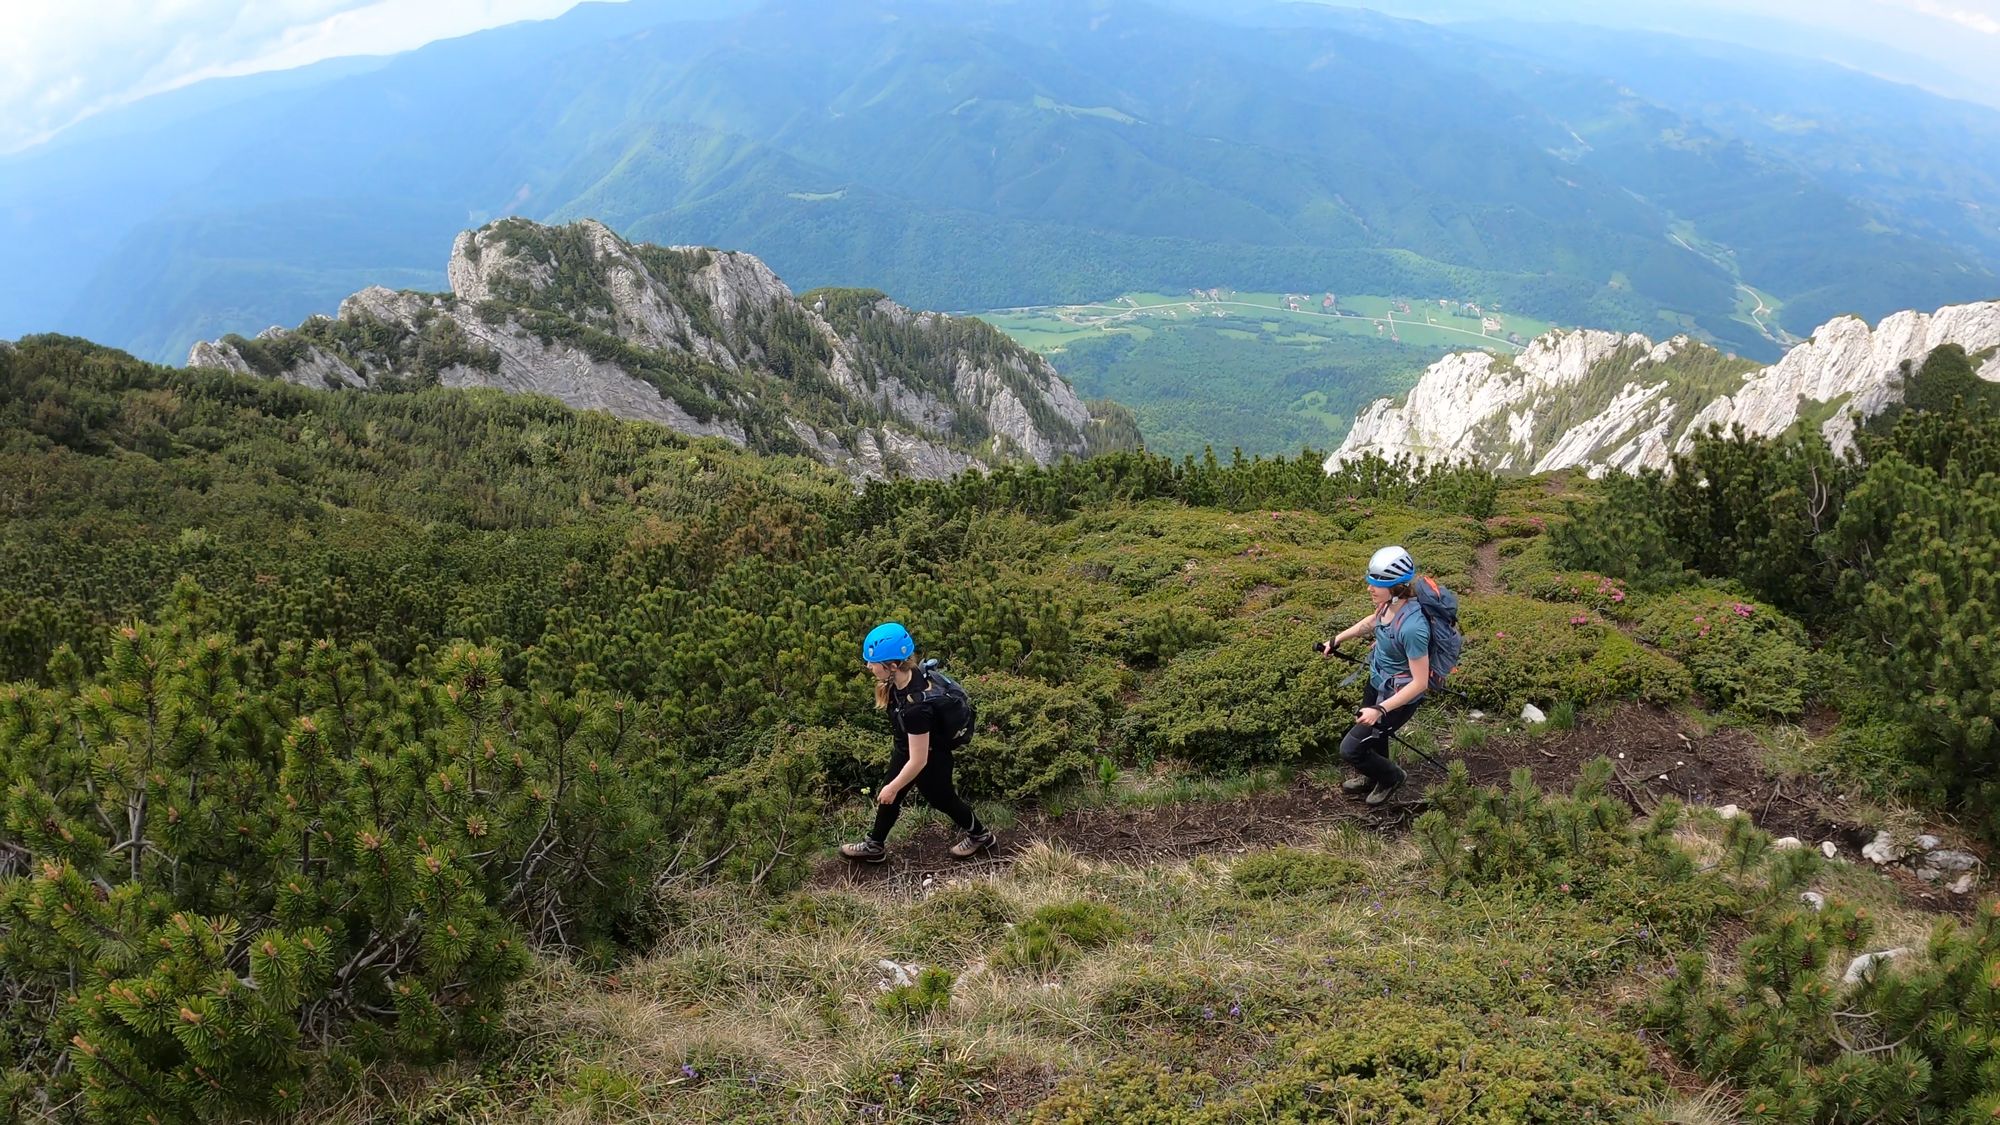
(1405, 632)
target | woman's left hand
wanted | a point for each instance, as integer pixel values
(887, 796)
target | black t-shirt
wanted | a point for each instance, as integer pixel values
(909, 712)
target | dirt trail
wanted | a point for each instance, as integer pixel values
(1662, 756)
(1486, 568)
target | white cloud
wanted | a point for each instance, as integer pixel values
(1984, 22)
(63, 60)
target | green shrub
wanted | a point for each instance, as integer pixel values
(1518, 651)
(1289, 871)
(1401, 1063)
(1911, 1043)
(1143, 1093)
(1622, 534)
(1516, 527)
(344, 857)
(912, 1002)
(956, 922)
(1742, 656)
(1052, 934)
(1580, 587)
(813, 912)
(1149, 635)
(1033, 738)
(1581, 847)
(1252, 700)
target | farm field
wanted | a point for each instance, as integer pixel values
(1261, 372)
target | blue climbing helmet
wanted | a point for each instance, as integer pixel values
(887, 641)
(1391, 566)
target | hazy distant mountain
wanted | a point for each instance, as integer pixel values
(961, 154)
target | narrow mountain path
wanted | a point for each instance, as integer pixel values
(1486, 568)
(1655, 755)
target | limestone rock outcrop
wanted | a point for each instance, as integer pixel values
(1600, 400)
(710, 343)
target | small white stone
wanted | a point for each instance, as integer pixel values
(1964, 885)
(1729, 812)
(1813, 899)
(1678, 765)
(900, 974)
(1475, 716)
(1621, 753)
(1865, 964)
(1946, 859)
(1533, 714)
(1663, 777)
(1929, 842)
(1829, 849)
(1788, 843)
(1883, 849)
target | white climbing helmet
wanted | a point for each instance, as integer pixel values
(1391, 566)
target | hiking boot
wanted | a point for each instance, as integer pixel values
(972, 844)
(1381, 793)
(1356, 785)
(867, 851)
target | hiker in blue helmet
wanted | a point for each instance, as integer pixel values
(931, 718)
(1399, 672)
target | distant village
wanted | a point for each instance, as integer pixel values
(1487, 317)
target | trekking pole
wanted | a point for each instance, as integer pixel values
(1393, 736)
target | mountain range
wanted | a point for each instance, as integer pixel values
(706, 342)
(1605, 400)
(969, 154)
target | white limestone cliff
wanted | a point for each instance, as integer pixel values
(1598, 400)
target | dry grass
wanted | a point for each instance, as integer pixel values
(779, 1021)
(1713, 1106)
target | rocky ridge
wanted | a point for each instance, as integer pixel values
(1602, 400)
(707, 342)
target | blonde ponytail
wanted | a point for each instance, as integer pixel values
(882, 687)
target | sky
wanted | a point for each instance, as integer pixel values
(64, 60)
(1945, 46)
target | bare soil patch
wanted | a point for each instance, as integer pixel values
(1486, 568)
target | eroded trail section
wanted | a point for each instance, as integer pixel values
(1655, 755)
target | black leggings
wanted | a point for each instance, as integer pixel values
(1366, 748)
(935, 784)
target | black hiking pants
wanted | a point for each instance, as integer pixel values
(935, 784)
(1366, 748)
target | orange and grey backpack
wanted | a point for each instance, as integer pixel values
(1440, 608)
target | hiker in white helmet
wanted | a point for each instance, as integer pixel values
(1399, 672)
